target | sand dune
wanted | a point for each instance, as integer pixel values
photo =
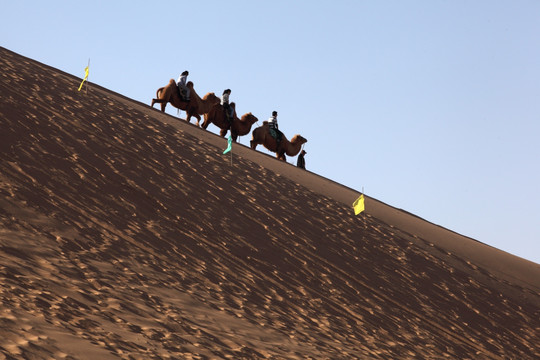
(125, 233)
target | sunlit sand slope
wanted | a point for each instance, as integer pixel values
(125, 233)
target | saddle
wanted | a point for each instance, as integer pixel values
(182, 93)
(229, 112)
(276, 134)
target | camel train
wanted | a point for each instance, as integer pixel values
(214, 113)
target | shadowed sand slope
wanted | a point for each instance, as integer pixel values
(126, 234)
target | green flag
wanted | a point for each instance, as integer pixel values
(229, 145)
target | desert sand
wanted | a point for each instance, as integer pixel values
(125, 233)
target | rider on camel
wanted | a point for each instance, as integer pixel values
(184, 90)
(274, 130)
(229, 111)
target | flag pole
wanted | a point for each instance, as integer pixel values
(365, 225)
(86, 72)
(86, 89)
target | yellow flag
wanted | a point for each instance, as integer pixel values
(358, 205)
(85, 77)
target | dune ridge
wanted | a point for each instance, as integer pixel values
(126, 234)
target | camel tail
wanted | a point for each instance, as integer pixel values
(252, 143)
(158, 92)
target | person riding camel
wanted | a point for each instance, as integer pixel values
(274, 130)
(229, 110)
(182, 88)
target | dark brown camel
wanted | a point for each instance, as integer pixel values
(195, 107)
(261, 135)
(238, 126)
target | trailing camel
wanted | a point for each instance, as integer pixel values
(195, 107)
(238, 126)
(261, 135)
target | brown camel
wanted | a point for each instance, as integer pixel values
(195, 107)
(238, 126)
(261, 135)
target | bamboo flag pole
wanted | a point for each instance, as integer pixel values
(364, 216)
(86, 88)
(87, 76)
(86, 72)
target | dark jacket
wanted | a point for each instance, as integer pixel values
(301, 162)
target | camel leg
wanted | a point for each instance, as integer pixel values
(198, 117)
(159, 101)
(205, 121)
(223, 132)
(280, 153)
(253, 144)
(189, 114)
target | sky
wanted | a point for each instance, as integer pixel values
(431, 106)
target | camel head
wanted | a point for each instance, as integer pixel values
(212, 98)
(298, 139)
(250, 118)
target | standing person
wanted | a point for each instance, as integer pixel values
(184, 90)
(274, 129)
(229, 111)
(301, 162)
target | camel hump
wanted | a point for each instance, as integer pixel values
(172, 82)
(265, 122)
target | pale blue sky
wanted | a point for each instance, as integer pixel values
(432, 106)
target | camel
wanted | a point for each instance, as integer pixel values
(238, 127)
(195, 107)
(261, 135)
